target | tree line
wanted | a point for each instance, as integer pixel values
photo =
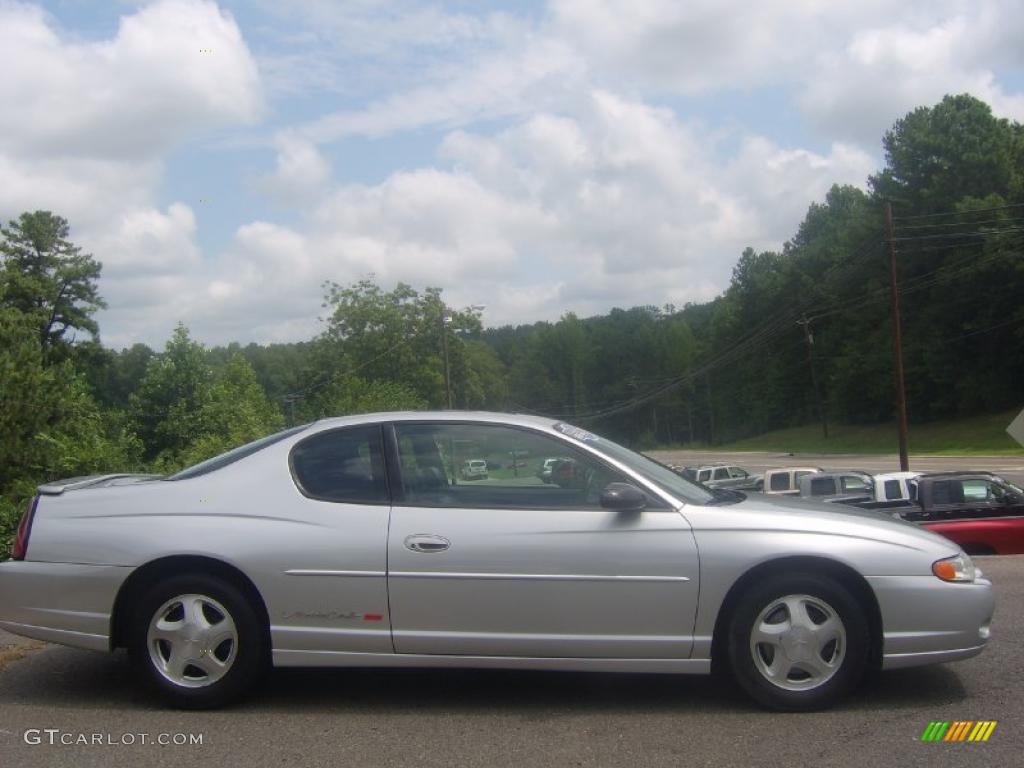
(800, 334)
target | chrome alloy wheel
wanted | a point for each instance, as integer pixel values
(798, 642)
(192, 641)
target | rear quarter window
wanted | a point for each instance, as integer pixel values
(342, 465)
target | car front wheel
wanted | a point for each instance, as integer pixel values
(798, 642)
(196, 642)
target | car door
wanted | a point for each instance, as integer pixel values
(738, 478)
(511, 566)
(719, 478)
(333, 596)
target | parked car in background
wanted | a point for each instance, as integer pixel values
(838, 487)
(346, 543)
(568, 473)
(547, 467)
(474, 469)
(980, 511)
(893, 490)
(723, 476)
(784, 481)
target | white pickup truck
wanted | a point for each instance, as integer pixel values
(784, 481)
(895, 489)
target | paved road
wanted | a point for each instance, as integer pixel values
(370, 719)
(1011, 467)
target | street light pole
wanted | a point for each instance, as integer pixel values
(447, 366)
(446, 317)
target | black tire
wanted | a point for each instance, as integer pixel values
(811, 683)
(238, 663)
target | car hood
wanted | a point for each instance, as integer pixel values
(758, 512)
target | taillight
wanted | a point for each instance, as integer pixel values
(20, 547)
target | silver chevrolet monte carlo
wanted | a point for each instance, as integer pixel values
(354, 542)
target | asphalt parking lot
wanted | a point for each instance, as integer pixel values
(460, 718)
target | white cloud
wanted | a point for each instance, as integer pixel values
(86, 191)
(571, 176)
(882, 73)
(130, 96)
(369, 46)
(619, 205)
(854, 65)
(86, 129)
(528, 74)
(144, 241)
(700, 45)
(301, 171)
(776, 185)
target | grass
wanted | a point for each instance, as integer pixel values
(977, 436)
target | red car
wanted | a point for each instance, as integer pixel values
(980, 511)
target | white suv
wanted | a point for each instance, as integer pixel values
(474, 469)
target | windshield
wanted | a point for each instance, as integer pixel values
(647, 467)
(235, 454)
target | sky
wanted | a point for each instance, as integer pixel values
(222, 160)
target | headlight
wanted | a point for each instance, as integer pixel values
(956, 568)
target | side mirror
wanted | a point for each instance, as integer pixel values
(623, 497)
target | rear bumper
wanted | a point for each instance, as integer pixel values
(928, 621)
(61, 603)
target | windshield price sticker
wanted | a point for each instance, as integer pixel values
(575, 432)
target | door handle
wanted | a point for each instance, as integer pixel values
(426, 543)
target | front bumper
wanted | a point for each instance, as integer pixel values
(928, 621)
(62, 603)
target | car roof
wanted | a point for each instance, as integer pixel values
(897, 475)
(842, 472)
(953, 475)
(521, 419)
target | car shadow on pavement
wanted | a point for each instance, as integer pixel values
(911, 688)
(62, 678)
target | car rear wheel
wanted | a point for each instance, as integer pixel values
(798, 642)
(196, 642)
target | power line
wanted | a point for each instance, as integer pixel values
(948, 235)
(775, 328)
(760, 336)
(956, 224)
(912, 285)
(958, 213)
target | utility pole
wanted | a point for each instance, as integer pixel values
(897, 341)
(711, 410)
(819, 405)
(447, 367)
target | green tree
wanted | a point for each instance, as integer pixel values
(936, 156)
(48, 278)
(186, 411)
(236, 412)
(167, 410)
(395, 336)
(351, 394)
(50, 425)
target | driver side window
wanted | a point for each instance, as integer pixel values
(491, 466)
